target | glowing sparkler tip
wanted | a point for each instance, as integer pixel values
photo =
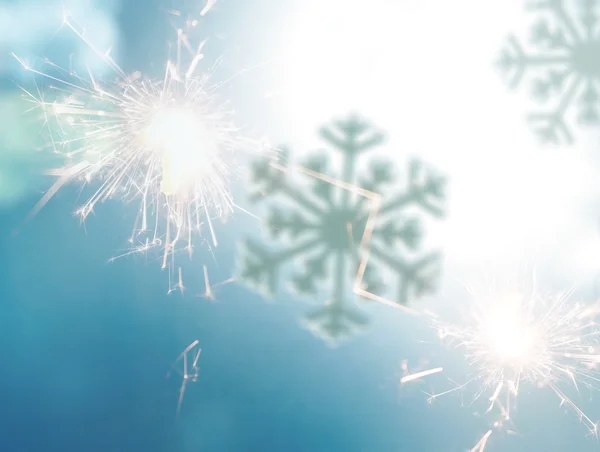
(185, 145)
(506, 331)
(513, 340)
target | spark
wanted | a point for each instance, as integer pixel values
(418, 375)
(188, 375)
(169, 144)
(480, 446)
(209, 291)
(517, 340)
(209, 4)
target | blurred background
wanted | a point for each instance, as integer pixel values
(86, 345)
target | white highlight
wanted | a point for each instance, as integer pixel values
(423, 71)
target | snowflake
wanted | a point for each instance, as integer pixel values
(326, 224)
(567, 59)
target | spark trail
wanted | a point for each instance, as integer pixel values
(190, 371)
(422, 374)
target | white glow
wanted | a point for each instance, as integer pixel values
(424, 72)
(185, 144)
(507, 332)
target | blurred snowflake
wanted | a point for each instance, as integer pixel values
(326, 224)
(567, 58)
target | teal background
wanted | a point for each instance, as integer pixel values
(85, 346)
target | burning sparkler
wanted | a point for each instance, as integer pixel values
(170, 144)
(521, 340)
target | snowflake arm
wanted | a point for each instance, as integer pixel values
(425, 189)
(565, 64)
(335, 322)
(272, 180)
(351, 136)
(416, 278)
(260, 267)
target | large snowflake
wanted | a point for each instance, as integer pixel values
(566, 61)
(324, 225)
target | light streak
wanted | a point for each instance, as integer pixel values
(364, 246)
(209, 289)
(418, 375)
(187, 374)
(480, 446)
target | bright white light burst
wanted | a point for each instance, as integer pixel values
(168, 143)
(516, 340)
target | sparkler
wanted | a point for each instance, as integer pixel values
(521, 340)
(169, 144)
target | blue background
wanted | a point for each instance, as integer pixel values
(85, 346)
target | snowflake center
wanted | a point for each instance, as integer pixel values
(341, 230)
(585, 58)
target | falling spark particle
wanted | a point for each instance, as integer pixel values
(421, 374)
(480, 446)
(209, 291)
(188, 375)
(209, 4)
(209, 294)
